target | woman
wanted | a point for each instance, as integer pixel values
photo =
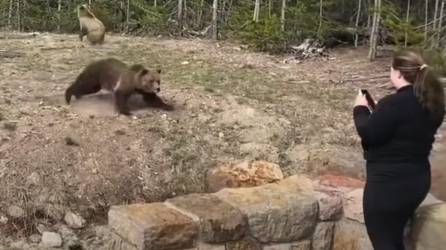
(397, 138)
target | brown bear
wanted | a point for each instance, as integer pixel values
(90, 26)
(115, 76)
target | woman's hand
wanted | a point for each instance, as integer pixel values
(361, 100)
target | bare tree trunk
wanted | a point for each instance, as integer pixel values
(184, 12)
(10, 14)
(59, 8)
(407, 22)
(200, 13)
(369, 20)
(127, 16)
(154, 3)
(121, 25)
(180, 14)
(18, 16)
(282, 15)
(426, 17)
(89, 2)
(320, 18)
(434, 25)
(270, 7)
(358, 16)
(440, 23)
(256, 11)
(375, 29)
(215, 20)
(48, 14)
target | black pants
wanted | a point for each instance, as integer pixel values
(391, 195)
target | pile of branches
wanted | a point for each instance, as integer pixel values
(310, 48)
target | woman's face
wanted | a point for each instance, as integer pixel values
(396, 78)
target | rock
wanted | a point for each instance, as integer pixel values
(323, 236)
(117, 243)
(219, 221)
(302, 245)
(429, 227)
(340, 182)
(33, 179)
(74, 221)
(153, 226)
(50, 239)
(243, 175)
(16, 212)
(283, 246)
(430, 200)
(205, 246)
(102, 231)
(41, 228)
(11, 126)
(246, 243)
(119, 132)
(70, 238)
(254, 151)
(276, 212)
(19, 245)
(54, 211)
(70, 141)
(351, 235)
(353, 205)
(3, 219)
(35, 238)
(296, 183)
(74, 245)
(330, 206)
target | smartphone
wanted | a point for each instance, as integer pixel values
(369, 98)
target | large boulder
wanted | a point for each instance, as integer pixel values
(153, 226)
(281, 212)
(429, 227)
(353, 208)
(218, 221)
(351, 235)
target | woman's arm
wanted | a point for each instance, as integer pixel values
(378, 127)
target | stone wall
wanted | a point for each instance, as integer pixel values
(293, 214)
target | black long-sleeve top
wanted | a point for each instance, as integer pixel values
(398, 131)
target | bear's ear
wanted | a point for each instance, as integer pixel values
(159, 71)
(144, 72)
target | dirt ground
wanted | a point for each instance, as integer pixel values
(231, 104)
